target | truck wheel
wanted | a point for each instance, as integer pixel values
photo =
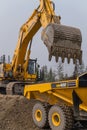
(60, 118)
(39, 115)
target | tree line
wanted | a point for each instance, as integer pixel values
(51, 75)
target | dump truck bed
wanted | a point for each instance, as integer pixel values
(56, 92)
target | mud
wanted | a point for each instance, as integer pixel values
(15, 113)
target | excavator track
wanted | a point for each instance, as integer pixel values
(15, 88)
(63, 41)
(12, 88)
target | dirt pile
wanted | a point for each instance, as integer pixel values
(15, 113)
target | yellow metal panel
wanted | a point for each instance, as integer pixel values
(54, 95)
(38, 87)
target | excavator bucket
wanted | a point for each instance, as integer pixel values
(63, 41)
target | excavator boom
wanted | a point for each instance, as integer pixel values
(61, 41)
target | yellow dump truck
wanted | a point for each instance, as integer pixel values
(60, 104)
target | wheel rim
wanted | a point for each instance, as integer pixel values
(56, 119)
(38, 115)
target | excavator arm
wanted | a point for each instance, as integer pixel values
(61, 41)
(41, 17)
(27, 31)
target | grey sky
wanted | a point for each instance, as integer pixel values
(15, 13)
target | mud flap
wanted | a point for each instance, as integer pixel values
(76, 102)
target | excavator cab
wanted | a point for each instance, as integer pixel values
(32, 66)
(34, 69)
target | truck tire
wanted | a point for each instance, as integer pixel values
(40, 115)
(60, 118)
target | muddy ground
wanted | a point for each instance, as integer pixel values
(15, 113)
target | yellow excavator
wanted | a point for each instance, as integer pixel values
(60, 40)
(59, 105)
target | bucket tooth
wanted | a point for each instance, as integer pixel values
(74, 56)
(74, 61)
(50, 57)
(63, 59)
(68, 60)
(56, 58)
(80, 61)
(80, 58)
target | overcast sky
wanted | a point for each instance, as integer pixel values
(14, 13)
